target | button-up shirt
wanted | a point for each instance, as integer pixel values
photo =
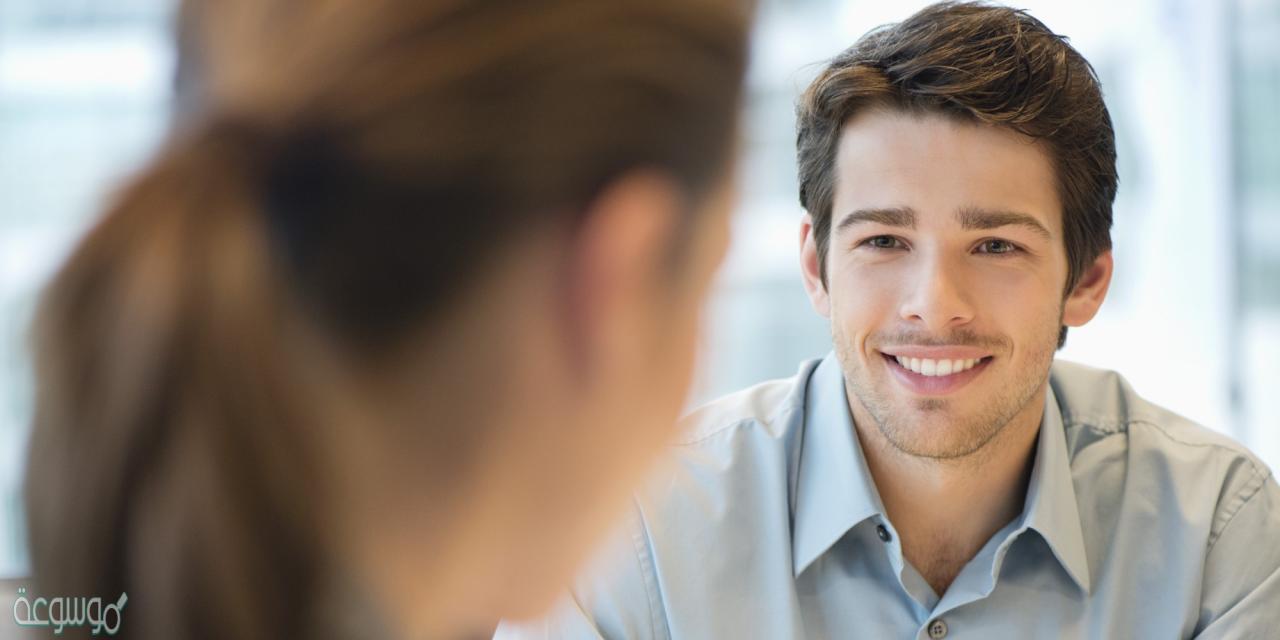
(1137, 524)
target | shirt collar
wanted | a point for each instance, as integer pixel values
(1051, 508)
(834, 490)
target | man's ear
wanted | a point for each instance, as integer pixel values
(809, 269)
(1083, 302)
(615, 268)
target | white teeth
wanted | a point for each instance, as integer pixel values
(927, 367)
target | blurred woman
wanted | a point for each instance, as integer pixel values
(380, 340)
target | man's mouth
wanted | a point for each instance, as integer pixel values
(935, 376)
(931, 367)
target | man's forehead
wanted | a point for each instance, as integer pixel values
(898, 134)
(937, 165)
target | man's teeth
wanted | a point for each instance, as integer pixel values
(927, 367)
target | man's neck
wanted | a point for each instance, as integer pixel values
(945, 510)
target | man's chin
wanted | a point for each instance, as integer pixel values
(932, 407)
(929, 428)
(920, 445)
(913, 407)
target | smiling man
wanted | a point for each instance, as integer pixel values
(940, 475)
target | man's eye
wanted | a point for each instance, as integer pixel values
(881, 242)
(997, 246)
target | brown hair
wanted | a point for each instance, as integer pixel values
(988, 64)
(352, 164)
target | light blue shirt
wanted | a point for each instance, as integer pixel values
(1137, 524)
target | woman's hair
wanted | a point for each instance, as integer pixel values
(350, 168)
(977, 63)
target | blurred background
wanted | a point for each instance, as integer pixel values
(1193, 319)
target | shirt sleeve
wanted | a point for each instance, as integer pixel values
(616, 599)
(1241, 593)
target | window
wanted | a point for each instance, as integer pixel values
(84, 97)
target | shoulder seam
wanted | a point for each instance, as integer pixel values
(733, 423)
(1113, 426)
(1246, 493)
(1240, 451)
(703, 437)
(1095, 423)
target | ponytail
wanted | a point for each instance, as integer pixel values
(162, 462)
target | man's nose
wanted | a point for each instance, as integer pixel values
(937, 298)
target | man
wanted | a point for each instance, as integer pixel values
(939, 475)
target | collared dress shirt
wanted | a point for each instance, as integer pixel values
(1137, 523)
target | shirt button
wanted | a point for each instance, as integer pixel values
(937, 629)
(884, 534)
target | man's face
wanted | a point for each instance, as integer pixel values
(945, 275)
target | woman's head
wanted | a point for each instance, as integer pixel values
(410, 280)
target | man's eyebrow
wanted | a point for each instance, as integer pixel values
(893, 217)
(975, 219)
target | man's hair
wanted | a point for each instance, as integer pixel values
(980, 63)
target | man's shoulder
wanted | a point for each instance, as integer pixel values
(699, 526)
(728, 473)
(1112, 432)
(1098, 403)
(767, 409)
